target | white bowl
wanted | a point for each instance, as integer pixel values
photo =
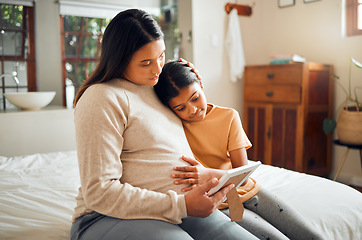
(30, 100)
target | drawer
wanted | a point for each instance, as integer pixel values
(274, 74)
(273, 94)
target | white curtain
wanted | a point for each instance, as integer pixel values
(28, 3)
(101, 9)
(88, 9)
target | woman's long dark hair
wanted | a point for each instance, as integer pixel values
(127, 32)
(175, 76)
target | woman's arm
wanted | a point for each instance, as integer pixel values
(100, 124)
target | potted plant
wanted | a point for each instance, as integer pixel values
(349, 121)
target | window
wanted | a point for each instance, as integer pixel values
(354, 17)
(81, 41)
(82, 27)
(17, 50)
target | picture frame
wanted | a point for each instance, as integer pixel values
(236, 176)
(309, 1)
(286, 3)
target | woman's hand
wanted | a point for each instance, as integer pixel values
(192, 67)
(195, 174)
(199, 204)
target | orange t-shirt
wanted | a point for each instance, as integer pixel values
(213, 138)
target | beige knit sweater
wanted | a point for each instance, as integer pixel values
(127, 144)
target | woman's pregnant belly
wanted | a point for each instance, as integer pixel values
(152, 175)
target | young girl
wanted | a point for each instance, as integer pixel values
(128, 144)
(217, 140)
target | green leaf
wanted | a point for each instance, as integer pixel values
(329, 125)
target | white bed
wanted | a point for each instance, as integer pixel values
(37, 191)
(37, 197)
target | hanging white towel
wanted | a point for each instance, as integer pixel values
(234, 47)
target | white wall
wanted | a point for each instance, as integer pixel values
(210, 22)
(312, 30)
(48, 52)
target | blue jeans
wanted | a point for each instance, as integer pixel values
(97, 226)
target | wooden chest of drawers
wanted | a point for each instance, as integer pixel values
(284, 109)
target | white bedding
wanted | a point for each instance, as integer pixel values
(37, 197)
(334, 208)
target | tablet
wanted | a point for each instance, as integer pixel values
(236, 176)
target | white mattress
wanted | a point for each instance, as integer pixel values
(334, 208)
(37, 197)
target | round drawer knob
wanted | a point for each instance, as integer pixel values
(270, 75)
(269, 94)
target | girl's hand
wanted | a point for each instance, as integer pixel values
(195, 174)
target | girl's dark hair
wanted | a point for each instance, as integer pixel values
(127, 32)
(175, 76)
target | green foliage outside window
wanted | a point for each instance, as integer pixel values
(12, 30)
(11, 17)
(82, 43)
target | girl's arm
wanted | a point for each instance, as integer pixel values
(195, 174)
(238, 157)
